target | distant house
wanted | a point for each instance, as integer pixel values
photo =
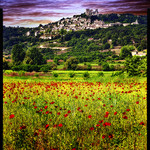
(126, 24)
(90, 39)
(136, 53)
(46, 36)
(28, 33)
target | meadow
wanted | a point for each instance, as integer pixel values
(56, 113)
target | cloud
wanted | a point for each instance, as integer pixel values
(14, 10)
(120, 6)
(26, 22)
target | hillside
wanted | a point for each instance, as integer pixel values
(107, 33)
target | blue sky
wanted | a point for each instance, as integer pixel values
(31, 13)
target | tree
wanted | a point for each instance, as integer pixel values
(71, 63)
(17, 54)
(34, 57)
(125, 52)
(136, 66)
(105, 66)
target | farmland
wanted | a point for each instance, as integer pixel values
(74, 113)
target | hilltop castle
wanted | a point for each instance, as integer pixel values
(90, 12)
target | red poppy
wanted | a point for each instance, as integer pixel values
(137, 102)
(101, 121)
(78, 108)
(58, 113)
(115, 113)
(47, 112)
(74, 149)
(45, 107)
(125, 117)
(127, 109)
(85, 105)
(46, 126)
(35, 107)
(107, 124)
(98, 125)
(92, 144)
(124, 113)
(104, 105)
(142, 123)
(92, 128)
(111, 106)
(110, 136)
(65, 115)
(22, 127)
(52, 102)
(11, 116)
(36, 134)
(89, 116)
(69, 111)
(40, 130)
(60, 125)
(103, 136)
(106, 116)
(55, 126)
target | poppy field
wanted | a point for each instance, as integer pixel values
(74, 115)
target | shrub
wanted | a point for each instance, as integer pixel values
(86, 75)
(105, 66)
(45, 68)
(112, 68)
(117, 73)
(55, 74)
(21, 73)
(100, 74)
(89, 67)
(71, 74)
(71, 63)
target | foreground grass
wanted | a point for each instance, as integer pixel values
(43, 114)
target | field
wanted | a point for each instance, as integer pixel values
(45, 113)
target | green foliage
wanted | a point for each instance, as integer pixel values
(125, 52)
(17, 54)
(106, 46)
(34, 57)
(21, 73)
(71, 74)
(105, 66)
(86, 75)
(89, 67)
(55, 74)
(117, 73)
(71, 63)
(100, 74)
(56, 60)
(112, 67)
(136, 66)
(45, 68)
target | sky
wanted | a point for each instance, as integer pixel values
(31, 13)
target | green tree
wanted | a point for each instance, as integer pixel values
(136, 66)
(34, 57)
(125, 52)
(105, 66)
(71, 63)
(17, 54)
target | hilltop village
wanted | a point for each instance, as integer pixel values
(75, 23)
